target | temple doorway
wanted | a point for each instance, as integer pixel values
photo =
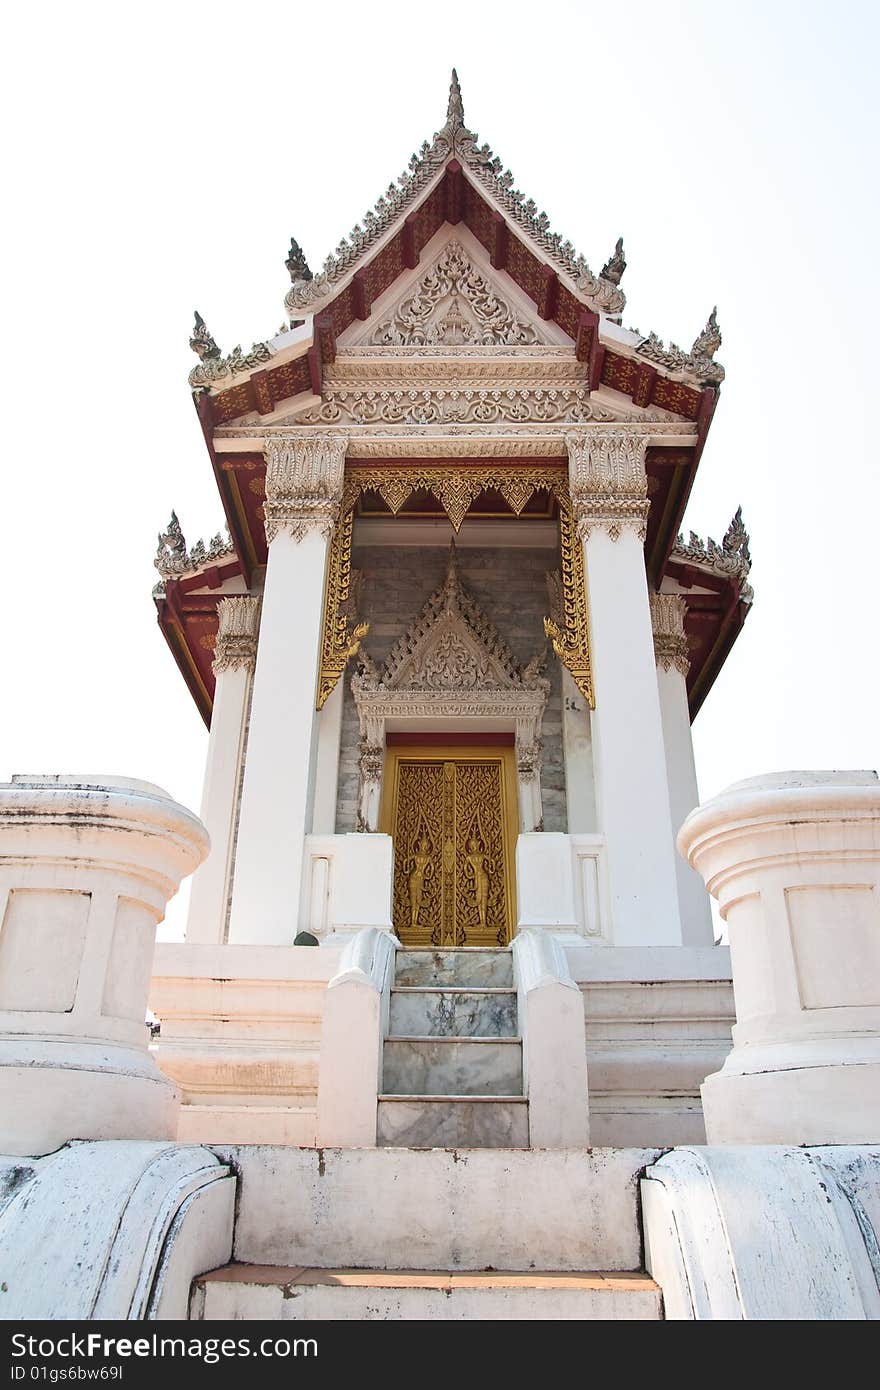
(452, 812)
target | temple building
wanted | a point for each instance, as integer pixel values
(451, 649)
(451, 870)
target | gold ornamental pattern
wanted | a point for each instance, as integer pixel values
(480, 908)
(450, 854)
(456, 488)
(418, 908)
(339, 641)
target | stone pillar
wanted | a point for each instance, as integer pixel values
(609, 500)
(86, 869)
(528, 776)
(327, 764)
(794, 861)
(234, 658)
(371, 767)
(671, 654)
(304, 478)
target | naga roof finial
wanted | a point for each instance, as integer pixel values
(297, 264)
(201, 342)
(455, 107)
(736, 539)
(615, 265)
(709, 341)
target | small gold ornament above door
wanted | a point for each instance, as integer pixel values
(452, 815)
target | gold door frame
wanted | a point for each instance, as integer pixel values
(457, 753)
(456, 486)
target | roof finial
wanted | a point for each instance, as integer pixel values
(736, 539)
(297, 264)
(455, 108)
(615, 265)
(201, 342)
(709, 341)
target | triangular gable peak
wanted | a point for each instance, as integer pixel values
(454, 159)
(455, 181)
(452, 645)
(455, 302)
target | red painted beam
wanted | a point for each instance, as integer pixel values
(643, 391)
(262, 393)
(548, 290)
(359, 300)
(316, 368)
(454, 190)
(597, 363)
(587, 333)
(205, 412)
(409, 250)
(500, 242)
(325, 336)
(708, 402)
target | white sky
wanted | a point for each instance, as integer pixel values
(158, 160)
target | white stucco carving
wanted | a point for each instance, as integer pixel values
(239, 622)
(667, 621)
(454, 303)
(304, 478)
(609, 486)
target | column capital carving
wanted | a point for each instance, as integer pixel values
(304, 478)
(607, 481)
(236, 648)
(670, 641)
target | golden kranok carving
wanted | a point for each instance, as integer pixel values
(455, 487)
(571, 637)
(339, 641)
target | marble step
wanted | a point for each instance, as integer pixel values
(244, 1293)
(459, 1207)
(452, 1067)
(452, 1122)
(420, 1011)
(484, 967)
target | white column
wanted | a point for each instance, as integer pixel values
(327, 765)
(609, 498)
(234, 657)
(671, 654)
(304, 479)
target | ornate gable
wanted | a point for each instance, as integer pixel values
(451, 646)
(454, 304)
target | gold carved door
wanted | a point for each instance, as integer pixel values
(452, 815)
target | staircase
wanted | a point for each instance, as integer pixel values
(450, 1234)
(452, 1067)
(452, 1215)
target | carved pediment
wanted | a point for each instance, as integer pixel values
(454, 304)
(452, 647)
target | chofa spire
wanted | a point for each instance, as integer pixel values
(615, 265)
(455, 106)
(709, 341)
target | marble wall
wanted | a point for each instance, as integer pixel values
(509, 585)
